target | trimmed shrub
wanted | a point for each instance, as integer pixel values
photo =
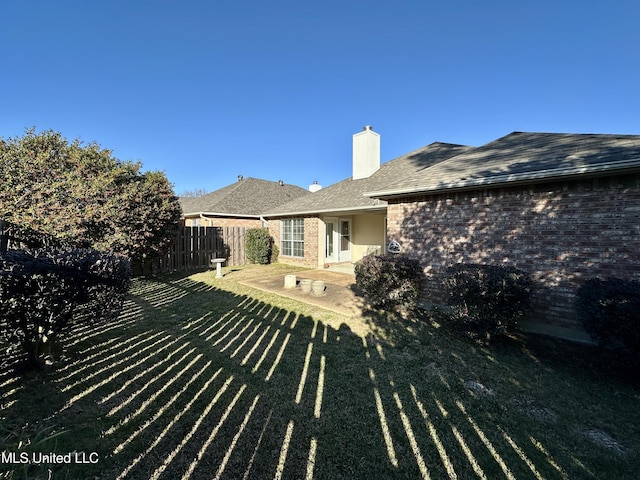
(36, 301)
(389, 281)
(610, 312)
(105, 279)
(257, 245)
(275, 253)
(487, 299)
(39, 293)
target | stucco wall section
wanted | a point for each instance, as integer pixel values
(560, 233)
(368, 233)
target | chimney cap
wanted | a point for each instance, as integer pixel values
(314, 187)
(240, 178)
(367, 127)
(280, 182)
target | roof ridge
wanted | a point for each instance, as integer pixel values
(521, 157)
(572, 134)
(246, 196)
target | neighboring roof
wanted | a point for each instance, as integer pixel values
(521, 158)
(347, 195)
(249, 197)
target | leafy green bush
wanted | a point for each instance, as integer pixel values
(389, 281)
(487, 299)
(610, 311)
(275, 253)
(82, 195)
(257, 245)
(40, 291)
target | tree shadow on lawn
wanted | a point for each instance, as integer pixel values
(548, 380)
(193, 381)
(418, 327)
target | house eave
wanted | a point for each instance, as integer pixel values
(345, 210)
(608, 169)
(218, 214)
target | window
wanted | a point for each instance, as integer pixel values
(292, 237)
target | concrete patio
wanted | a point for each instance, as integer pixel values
(341, 295)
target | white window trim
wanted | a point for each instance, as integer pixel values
(292, 241)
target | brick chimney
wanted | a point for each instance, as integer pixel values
(366, 153)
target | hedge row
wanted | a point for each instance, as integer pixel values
(487, 300)
(41, 290)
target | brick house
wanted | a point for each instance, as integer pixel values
(240, 204)
(339, 224)
(563, 207)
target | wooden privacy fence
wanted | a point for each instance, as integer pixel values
(15, 237)
(194, 247)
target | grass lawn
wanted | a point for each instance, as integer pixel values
(206, 378)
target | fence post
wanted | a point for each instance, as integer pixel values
(4, 238)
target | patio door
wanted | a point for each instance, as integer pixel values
(330, 251)
(337, 240)
(344, 254)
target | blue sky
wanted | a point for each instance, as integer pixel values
(209, 90)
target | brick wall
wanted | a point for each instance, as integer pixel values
(311, 226)
(274, 230)
(561, 233)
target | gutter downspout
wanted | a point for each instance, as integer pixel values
(205, 218)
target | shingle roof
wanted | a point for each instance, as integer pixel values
(348, 194)
(247, 197)
(521, 158)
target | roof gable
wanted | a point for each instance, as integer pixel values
(348, 194)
